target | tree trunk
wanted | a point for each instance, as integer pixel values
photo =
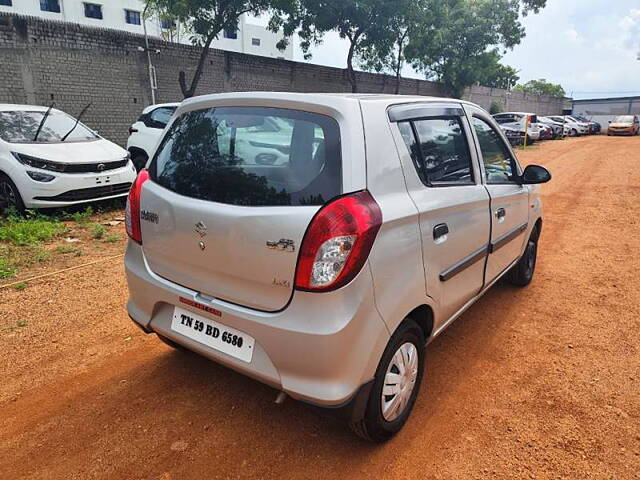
(351, 74)
(182, 76)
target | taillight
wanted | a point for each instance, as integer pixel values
(338, 242)
(132, 212)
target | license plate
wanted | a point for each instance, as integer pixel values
(213, 334)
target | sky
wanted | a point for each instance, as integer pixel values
(590, 47)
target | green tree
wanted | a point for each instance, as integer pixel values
(387, 54)
(541, 87)
(365, 24)
(460, 48)
(206, 19)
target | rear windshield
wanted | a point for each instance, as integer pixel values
(22, 127)
(251, 156)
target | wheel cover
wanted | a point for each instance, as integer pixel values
(399, 381)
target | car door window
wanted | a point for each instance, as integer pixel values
(499, 165)
(439, 149)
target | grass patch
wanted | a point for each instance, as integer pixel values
(112, 238)
(42, 256)
(30, 230)
(20, 286)
(7, 270)
(67, 249)
(82, 218)
(98, 231)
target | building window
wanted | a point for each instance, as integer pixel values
(255, 42)
(93, 10)
(132, 17)
(6, 3)
(167, 24)
(50, 6)
(232, 34)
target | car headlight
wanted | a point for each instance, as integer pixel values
(39, 162)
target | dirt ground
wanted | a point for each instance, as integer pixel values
(542, 382)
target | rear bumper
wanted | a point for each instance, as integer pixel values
(321, 349)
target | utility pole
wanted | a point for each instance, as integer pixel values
(153, 81)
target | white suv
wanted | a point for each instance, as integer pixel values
(520, 121)
(326, 272)
(145, 133)
(50, 159)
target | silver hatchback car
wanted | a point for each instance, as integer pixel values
(318, 242)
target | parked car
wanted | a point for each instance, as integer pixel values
(145, 133)
(576, 129)
(624, 125)
(594, 127)
(546, 132)
(559, 130)
(273, 269)
(50, 159)
(515, 136)
(519, 120)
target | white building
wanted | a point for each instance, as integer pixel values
(127, 15)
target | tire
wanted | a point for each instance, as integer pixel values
(407, 342)
(573, 133)
(139, 160)
(10, 195)
(522, 272)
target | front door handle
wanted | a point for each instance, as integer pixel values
(440, 231)
(501, 212)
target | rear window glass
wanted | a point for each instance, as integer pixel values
(251, 156)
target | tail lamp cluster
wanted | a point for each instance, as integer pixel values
(334, 248)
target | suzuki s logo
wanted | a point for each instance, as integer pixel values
(200, 229)
(101, 167)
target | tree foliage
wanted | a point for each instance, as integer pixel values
(541, 87)
(461, 47)
(206, 19)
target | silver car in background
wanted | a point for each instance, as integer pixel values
(317, 242)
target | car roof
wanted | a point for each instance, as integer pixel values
(329, 99)
(160, 105)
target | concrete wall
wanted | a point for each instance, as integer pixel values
(43, 61)
(113, 12)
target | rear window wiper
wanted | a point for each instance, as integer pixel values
(44, 119)
(77, 122)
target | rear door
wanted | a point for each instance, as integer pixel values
(509, 199)
(443, 179)
(232, 191)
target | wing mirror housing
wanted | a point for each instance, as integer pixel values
(535, 174)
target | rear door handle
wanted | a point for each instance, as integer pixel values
(501, 212)
(440, 232)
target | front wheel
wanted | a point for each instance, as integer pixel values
(9, 195)
(522, 272)
(573, 133)
(395, 385)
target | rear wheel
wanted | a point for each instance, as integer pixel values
(395, 385)
(9, 194)
(522, 272)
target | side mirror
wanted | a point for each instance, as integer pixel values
(609, 121)
(534, 174)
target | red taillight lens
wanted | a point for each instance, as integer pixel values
(338, 242)
(132, 212)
